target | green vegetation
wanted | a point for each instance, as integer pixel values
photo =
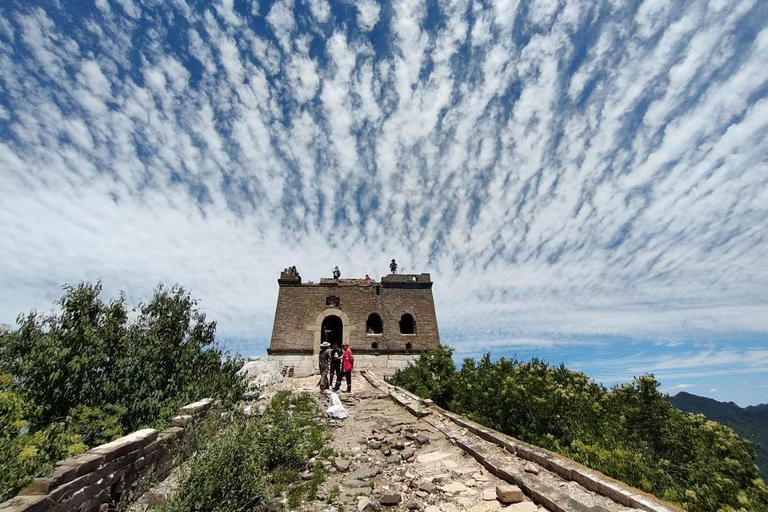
(240, 463)
(750, 422)
(94, 370)
(630, 432)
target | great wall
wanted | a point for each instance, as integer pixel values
(395, 450)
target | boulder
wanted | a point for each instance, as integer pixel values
(260, 373)
(509, 494)
(408, 453)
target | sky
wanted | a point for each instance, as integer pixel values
(586, 180)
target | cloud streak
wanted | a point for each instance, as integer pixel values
(564, 169)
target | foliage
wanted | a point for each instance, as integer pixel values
(750, 422)
(630, 432)
(240, 463)
(94, 370)
(24, 454)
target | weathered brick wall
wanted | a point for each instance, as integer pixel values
(300, 305)
(105, 474)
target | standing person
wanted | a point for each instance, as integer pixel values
(336, 272)
(325, 365)
(336, 355)
(393, 266)
(347, 364)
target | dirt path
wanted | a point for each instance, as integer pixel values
(388, 455)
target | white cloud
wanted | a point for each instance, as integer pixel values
(367, 13)
(678, 387)
(612, 185)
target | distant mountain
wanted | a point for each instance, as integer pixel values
(750, 422)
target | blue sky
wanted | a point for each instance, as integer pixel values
(586, 180)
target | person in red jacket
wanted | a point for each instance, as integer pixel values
(347, 364)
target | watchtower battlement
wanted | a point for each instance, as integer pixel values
(387, 323)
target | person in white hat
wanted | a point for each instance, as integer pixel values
(325, 365)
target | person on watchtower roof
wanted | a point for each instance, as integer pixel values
(393, 266)
(336, 272)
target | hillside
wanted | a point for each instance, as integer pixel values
(750, 422)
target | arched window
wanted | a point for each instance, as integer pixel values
(407, 324)
(374, 324)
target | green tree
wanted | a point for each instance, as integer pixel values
(630, 432)
(94, 370)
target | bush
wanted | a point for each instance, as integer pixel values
(630, 432)
(240, 463)
(94, 370)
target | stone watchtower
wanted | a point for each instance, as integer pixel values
(387, 323)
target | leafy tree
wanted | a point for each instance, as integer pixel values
(94, 370)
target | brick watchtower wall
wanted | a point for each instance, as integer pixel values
(302, 307)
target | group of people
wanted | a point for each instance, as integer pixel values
(335, 362)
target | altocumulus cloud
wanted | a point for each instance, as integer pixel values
(567, 170)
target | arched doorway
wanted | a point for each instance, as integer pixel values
(332, 330)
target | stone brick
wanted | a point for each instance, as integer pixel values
(196, 407)
(172, 433)
(26, 504)
(181, 421)
(125, 444)
(509, 494)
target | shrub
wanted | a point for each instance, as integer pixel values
(92, 371)
(630, 432)
(240, 463)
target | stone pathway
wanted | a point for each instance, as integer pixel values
(396, 456)
(391, 460)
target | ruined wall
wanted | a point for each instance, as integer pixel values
(302, 307)
(106, 473)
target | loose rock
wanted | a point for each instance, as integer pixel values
(489, 494)
(390, 500)
(341, 464)
(364, 473)
(509, 494)
(456, 487)
(367, 505)
(429, 487)
(530, 468)
(525, 506)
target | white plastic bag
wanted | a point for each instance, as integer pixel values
(336, 410)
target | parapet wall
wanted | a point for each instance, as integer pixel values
(105, 473)
(304, 365)
(552, 499)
